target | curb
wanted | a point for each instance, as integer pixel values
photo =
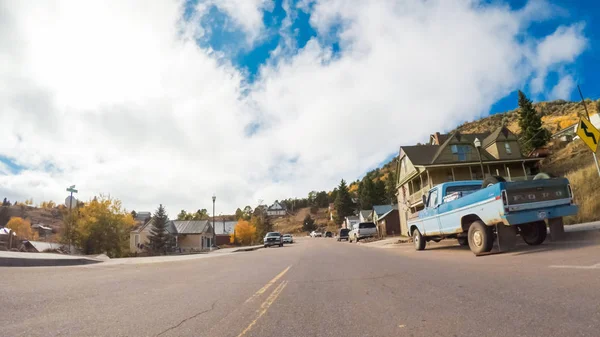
(248, 249)
(26, 262)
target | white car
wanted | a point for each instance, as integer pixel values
(363, 230)
(287, 238)
(315, 234)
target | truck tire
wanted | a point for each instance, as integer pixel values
(534, 233)
(464, 241)
(481, 238)
(491, 180)
(543, 175)
(418, 240)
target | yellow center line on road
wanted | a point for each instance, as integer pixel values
(268, 285)
(265, 306)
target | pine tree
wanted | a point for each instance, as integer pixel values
(343, 202)
(366, 191)
(379, 196)
(390, 189)
(308, 225)
(533, 135)
(159, 238)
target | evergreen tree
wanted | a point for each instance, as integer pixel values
(343, 202)
(390, 189)
(159, 238)
(379, 195)
(308, 225)
(366, 192)
(533, 135)
(239, 214)
(133, 214)
(333, 195)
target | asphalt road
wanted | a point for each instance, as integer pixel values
(316, 287)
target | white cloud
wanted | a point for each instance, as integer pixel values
(555, 50)
(563, 89)
(123, 101)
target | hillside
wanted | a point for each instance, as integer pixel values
(51, 217)
(293, 223)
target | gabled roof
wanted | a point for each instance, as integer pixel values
(388, 213)
(276, 206)
(189, 226)
(366, 213)
(462, 138)
(382, 209)
(352, 218)
(494, 135)
(420, 154)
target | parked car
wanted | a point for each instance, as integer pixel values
(273, 239)
(287, 238)
(477, 212)
(363, 230)
(315, 234)
(328, 234)
(343, 234)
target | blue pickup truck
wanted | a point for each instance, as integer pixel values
(479, 212)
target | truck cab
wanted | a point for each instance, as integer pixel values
(479, 212)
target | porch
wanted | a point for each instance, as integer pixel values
(430, 176)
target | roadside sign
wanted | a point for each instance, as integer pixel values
(588, 133)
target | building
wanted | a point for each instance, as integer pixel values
(190, 235)
(388, 224)
(277, 209)
(365, 215)
(224, 229)
(350, 221)
(452, 157)
(380, 210)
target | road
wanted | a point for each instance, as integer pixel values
(316, 287)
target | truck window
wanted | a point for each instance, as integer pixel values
(465, 189)
(432, 200)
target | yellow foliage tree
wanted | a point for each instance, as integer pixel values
(29, 202)
(243, 233)
(22, 227)
(102, 225)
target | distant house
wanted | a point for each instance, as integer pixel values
(277, 209)
(224, 230)
(350, 221)
(388, 223)
(143, 217)
(365, 215)
(190, 235)
(380, 210)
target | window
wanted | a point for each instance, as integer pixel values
(366, 225)
(465, 189)
(137, 239)
(432, 199)
(461, 151)
(507, 148)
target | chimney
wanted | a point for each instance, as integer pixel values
(436, 138)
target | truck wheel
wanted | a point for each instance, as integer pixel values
(543, 175)
(463, 241)
(491, 180)
(534, 233)
(481, 238)
(419, 240)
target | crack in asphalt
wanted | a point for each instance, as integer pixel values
(187, 319)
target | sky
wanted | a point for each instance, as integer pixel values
(170, 102)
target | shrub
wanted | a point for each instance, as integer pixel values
(584, 182)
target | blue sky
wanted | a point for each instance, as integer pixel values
(290, 96)
(224, 38)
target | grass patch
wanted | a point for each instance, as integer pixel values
(585, 182)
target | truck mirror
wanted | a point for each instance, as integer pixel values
(424, 200)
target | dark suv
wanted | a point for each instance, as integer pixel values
(328, 234)
(343, 234)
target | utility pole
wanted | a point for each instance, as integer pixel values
(588, 117)
(72, 190)
(214, 243)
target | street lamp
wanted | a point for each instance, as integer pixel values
(214, 243)
(477, 144)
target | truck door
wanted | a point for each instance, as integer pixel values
(431, 222)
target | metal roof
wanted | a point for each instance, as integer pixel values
(229, 225)
(382, 209)
(190, 226)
